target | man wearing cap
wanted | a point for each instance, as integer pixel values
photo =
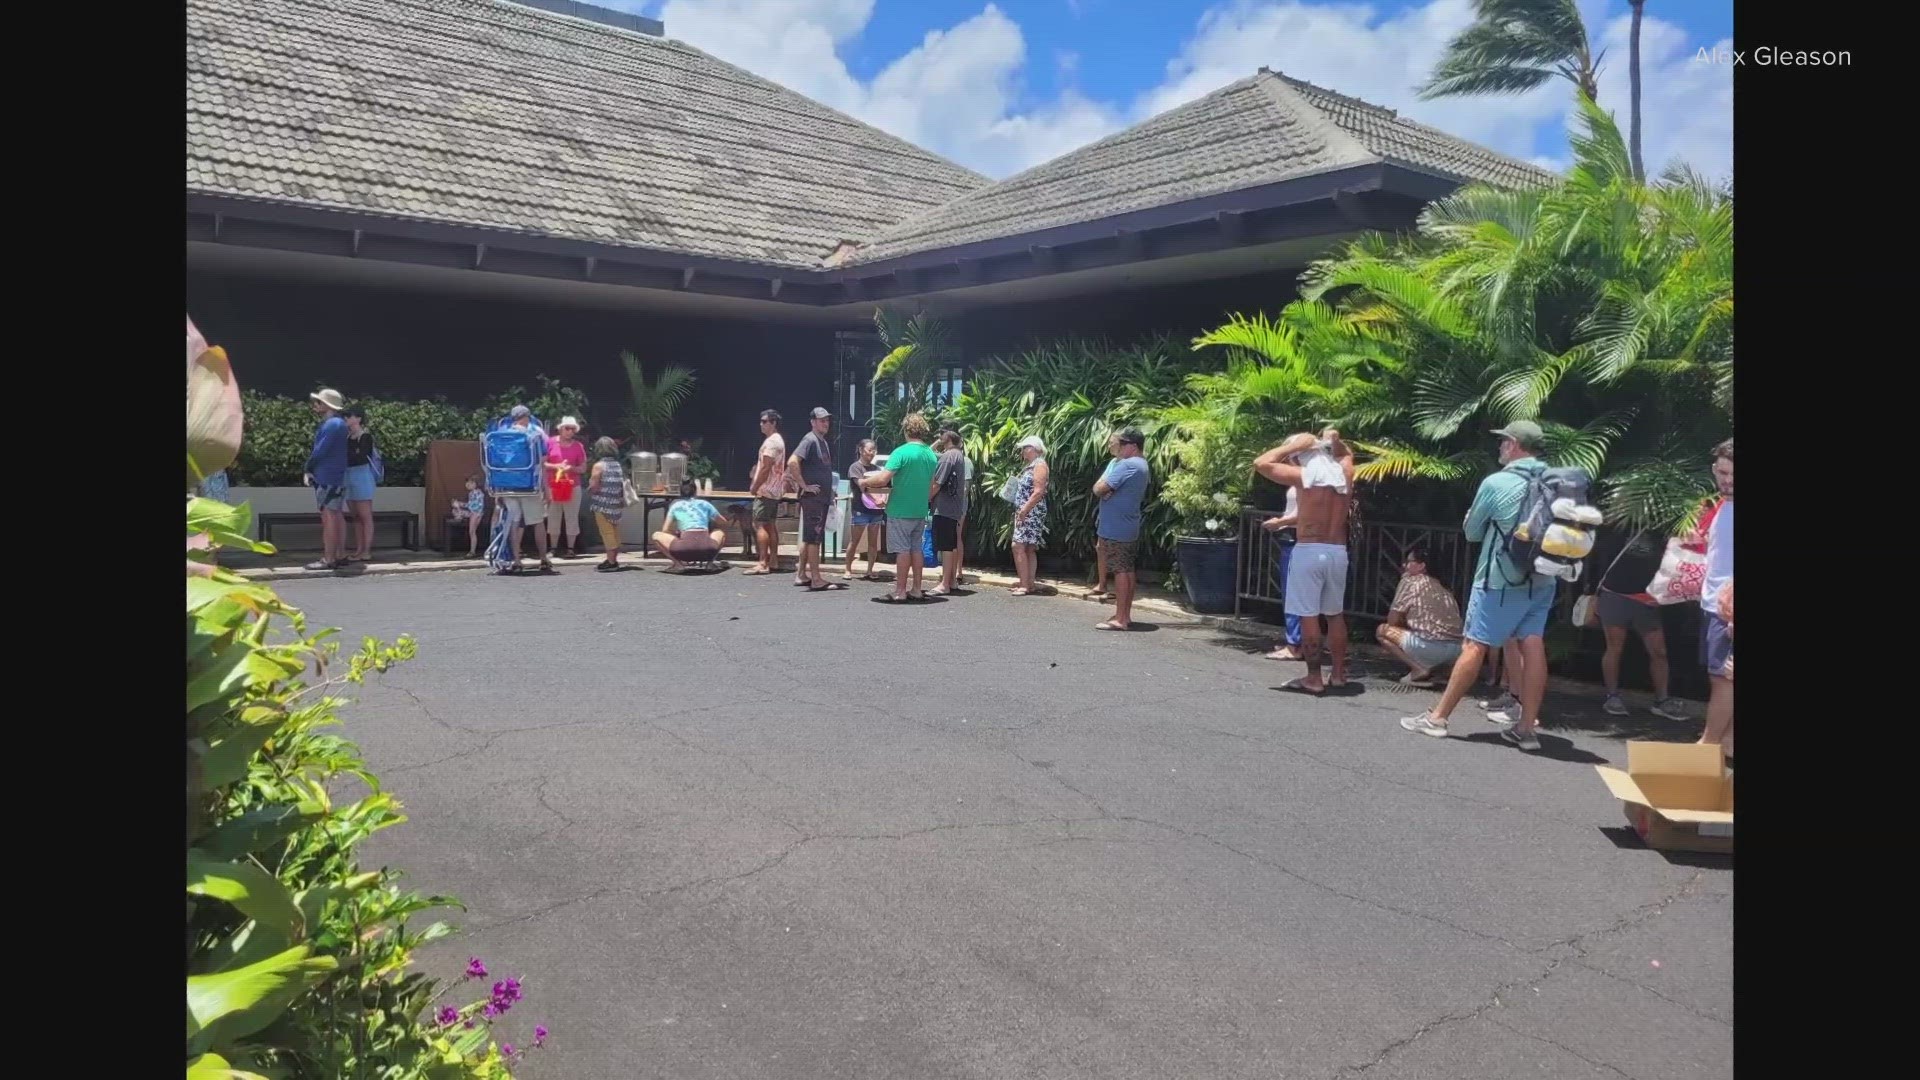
(521, 510)
(769, 482)
(1507, 602)
(326, 474)
(810, 472)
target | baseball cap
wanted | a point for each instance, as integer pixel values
(1033, 441)
(1525, 432)
(819, 413)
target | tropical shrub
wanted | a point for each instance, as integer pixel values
(279, 431)
(1073, 393)
(652, 403)
(1601, 307)
(918, 348)
(297, 959)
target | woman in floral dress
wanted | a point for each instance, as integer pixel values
(1029, 512)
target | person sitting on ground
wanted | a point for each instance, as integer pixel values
(689, 535)
(470, 510)
(607, 495)
(1423, 623)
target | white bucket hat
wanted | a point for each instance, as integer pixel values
(567, 421)
(331, 399)
(1033, 441)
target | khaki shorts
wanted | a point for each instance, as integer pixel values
(1119, 555)
(765, 511)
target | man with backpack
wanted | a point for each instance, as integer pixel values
(522, 508)
(1509, 600)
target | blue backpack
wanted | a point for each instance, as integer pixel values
(507, 454)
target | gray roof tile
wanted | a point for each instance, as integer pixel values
(1259, 130)
(486, 113)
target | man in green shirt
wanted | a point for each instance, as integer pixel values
(1506, 602)
(909, 473)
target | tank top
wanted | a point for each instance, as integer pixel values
(608, 496)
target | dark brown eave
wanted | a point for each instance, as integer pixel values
(1375, 196)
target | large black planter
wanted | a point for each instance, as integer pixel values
(1207, 569)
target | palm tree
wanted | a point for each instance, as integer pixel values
(1602, 308)
(1633, 76)
(1513, 46)
(650, 411)
(918, 348)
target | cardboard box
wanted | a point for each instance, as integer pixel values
(1678, 796)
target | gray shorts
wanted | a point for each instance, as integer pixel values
(1618, 610)
(906, 535)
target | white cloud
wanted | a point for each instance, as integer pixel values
(956, 93)
(959, 92)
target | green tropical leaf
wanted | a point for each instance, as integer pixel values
(250, 889)
(230, 1004)
(258, 829)
(215, 1067)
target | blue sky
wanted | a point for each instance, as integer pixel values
(1004, 85)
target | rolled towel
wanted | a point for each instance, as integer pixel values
(1319, 469)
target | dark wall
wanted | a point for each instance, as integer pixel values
(1183, 310)
(369, 342)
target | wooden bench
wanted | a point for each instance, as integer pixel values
(408, 521)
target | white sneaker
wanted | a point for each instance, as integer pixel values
(1504, 716)
(1424, 725)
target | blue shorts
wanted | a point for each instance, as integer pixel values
(360, 483)
(330, 498)
(1716, 644)
(864, 516)
(1430, 652)
(1497, 616)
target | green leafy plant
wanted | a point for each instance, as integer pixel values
(298, 960)
(918, 347)
(651, 405)
(1073, 393)
(552, 401)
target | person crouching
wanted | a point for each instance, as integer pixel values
(690, 535)
(1423, 623)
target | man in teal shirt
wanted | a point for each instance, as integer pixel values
(909, 473)
(1507, 602)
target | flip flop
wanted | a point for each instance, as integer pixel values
(755, 572)
(831, 586)
(917, 597)
(1018, 592)
(1299, 686)
(1111, 625)
(889, 598)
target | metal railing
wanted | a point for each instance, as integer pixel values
(1376, 552)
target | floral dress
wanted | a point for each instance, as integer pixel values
(1034, 528)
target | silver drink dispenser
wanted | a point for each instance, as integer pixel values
(673, 469)
(645, 467)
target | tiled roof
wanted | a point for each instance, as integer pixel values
(490, 114)
(1260, 130)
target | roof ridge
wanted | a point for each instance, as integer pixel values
(1288, 100)
(1394, 114)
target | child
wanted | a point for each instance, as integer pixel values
(471, 511)
(606, 494)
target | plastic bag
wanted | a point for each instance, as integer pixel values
(1683, 570)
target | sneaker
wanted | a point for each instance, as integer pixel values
(1424, 725)
(1529, 742)
(1506, 702)
(1669, 708)
(1614, 706)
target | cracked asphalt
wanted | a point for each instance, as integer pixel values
(727, 829)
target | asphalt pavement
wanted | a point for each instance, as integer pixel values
(723, 828)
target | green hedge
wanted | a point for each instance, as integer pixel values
(279, 431)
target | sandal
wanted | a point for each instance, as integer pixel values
(318, 564)
(831, 586)
(1018, 591)
(1111, 625)
(1299, 686)
(546, 567)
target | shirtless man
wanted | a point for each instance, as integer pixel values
(1317, 575)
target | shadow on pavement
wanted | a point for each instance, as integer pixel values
(1627, 840)
(1551, 746)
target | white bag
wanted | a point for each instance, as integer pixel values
(1683, 570)
(1009, 491)
(1583, 611)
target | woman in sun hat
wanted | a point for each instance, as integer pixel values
(1029, 511)
(566, 470)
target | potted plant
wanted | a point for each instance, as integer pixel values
(1206, 490)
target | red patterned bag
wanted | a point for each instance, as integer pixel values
(1683, 567)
